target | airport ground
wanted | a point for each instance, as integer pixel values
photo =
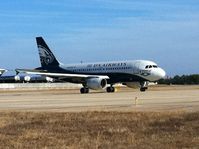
(157, 98)
(162, 117)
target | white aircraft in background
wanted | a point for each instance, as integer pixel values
(96, 76)
(2, 71)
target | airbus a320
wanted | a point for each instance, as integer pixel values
(96, 76)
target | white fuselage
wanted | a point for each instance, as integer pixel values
(145, 69)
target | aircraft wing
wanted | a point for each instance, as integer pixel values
(60, 75)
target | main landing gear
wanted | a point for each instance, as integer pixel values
(110, 89)
(84, 90)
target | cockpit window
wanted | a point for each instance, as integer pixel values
(155, 66)
(151, 66)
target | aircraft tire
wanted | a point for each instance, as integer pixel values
(84, 90)
(110, 89)
(142, 89)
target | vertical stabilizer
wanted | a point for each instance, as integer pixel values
(47, 58)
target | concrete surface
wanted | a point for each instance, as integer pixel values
(165, 98)
(38, 86)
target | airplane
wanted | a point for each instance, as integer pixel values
(98, 75)
(2, 71)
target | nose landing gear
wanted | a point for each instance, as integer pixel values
(143, 89)
(144, 86)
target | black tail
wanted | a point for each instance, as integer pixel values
(47, 58)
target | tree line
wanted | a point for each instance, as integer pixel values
(181, 80)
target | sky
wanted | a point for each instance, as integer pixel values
(166, 32)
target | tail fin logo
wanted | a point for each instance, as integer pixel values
(46, 56)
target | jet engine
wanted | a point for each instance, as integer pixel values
(27, 78)
(96, 83)
(17, 78)
(48, 79)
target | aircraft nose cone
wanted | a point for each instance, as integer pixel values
(156, 74)
(161, 73)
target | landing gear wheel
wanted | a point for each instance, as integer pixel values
(143, 89)
(144, 86)
(84, 90)
(110, 89)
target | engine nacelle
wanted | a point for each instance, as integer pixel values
(48, 79)
(17, 78)
(27, 78)
(132, 84)
(96, 83)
